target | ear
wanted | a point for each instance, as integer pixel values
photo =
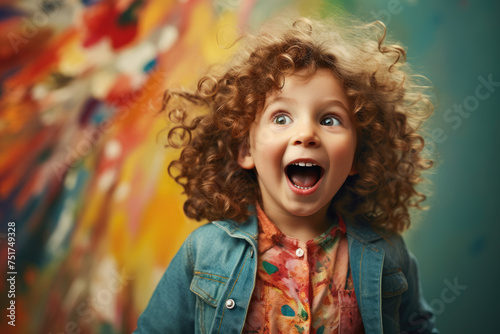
(245, 159)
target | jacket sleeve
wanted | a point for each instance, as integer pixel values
(171, 308)
(416, 315)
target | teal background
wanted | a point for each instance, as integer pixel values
(453, 43)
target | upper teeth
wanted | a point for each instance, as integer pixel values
(304, 164)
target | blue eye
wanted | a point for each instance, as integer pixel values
(282, 120)
(329, 121)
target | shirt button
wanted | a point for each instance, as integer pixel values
(230, 303)
(299, 252)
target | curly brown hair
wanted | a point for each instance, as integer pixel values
(389, 106)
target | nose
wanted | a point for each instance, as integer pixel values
(306, 136)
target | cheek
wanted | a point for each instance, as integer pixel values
(263, 138)
(268, 153)
(344, 152)
(268, 157)
(264, 141)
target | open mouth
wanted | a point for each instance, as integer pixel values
(304, 175)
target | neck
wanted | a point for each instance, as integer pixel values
(303, 228)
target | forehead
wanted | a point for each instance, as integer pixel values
(310, 87)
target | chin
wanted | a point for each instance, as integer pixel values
(303, 212)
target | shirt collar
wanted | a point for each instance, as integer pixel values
(270, 235)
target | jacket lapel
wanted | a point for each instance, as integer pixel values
(366, 261)
(246, 230)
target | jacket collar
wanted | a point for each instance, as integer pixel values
(357, 229)
(362, 231)
(247, 230)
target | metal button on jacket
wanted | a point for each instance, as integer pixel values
(299, 252)
(230, 303)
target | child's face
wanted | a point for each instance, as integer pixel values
(302, 145)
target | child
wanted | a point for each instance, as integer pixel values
(306, 163)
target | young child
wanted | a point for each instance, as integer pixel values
(305, 161)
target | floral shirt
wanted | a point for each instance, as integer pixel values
(302, 287)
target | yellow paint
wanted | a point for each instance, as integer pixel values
(220, 42)
(319, 8)
(72, 59)
(119, 236)
(152, 14)
(203, 31)
(102, 82)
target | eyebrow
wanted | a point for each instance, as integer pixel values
(280, 99)
(325, 103)
(335, 102)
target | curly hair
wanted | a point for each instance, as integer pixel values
(389, 106)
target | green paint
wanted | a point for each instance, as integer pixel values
(304, 315)
(269, 268)
(319, 266)
(130, 15)
(44, 155)
(287, 311)
(299, 329)
(328, 245)
(320, 330)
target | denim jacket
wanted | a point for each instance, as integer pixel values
(209, 283)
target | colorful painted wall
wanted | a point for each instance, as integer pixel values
(83, 166)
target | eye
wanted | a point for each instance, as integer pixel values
(282, 119)
(330, 121)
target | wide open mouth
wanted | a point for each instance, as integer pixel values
(304, 175)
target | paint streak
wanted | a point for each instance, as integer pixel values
(287, 311)
(269, 268)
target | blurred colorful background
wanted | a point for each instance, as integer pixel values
(83, 164)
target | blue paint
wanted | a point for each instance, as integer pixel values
(7, 13)
(150, 65)
(287, 311)
(88, 3)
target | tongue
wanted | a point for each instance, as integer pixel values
(303, 176)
